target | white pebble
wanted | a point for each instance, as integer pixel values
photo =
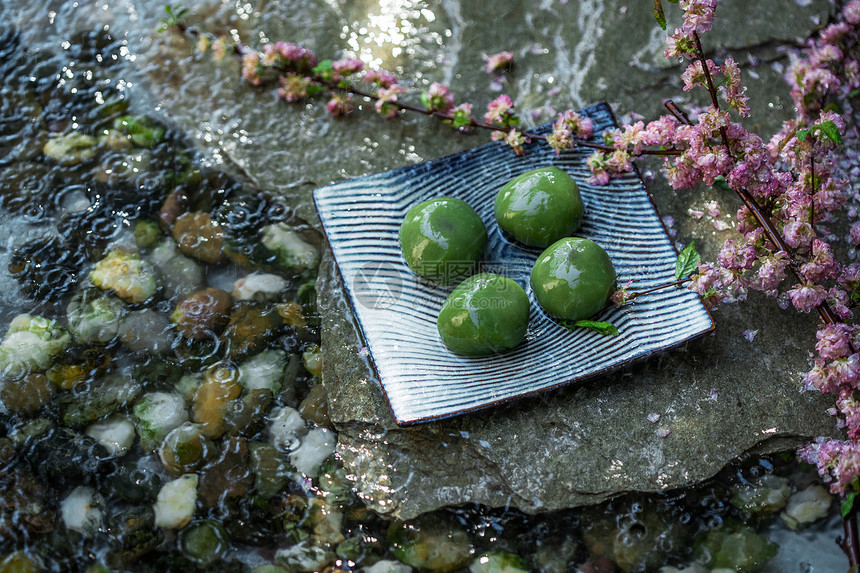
(176, 502)
(80, 510)
(388, 566)
(116, 434)
(261, 286)
(313, 450)
(285, 428)
(807, 506)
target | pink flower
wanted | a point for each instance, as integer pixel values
(498, 62)
(499, 110)
(694, 75)
(771, 273)
(734, 257)
(293, 88)
(806, 297)
(698, 15)
(630, 136)
(461, 117)
(289, 56)
(679, 45)
(839, 302)
(733, 91)
(660, 132)
(386, 99)
(339, 104)
(838, 462)
(347, 67)
(797, 233)
(851, 12)
(620, 296)
(251, 68)
(707, 283)
(568, 126)
(438, 98)
(381, 78)
(822, 265)
(854, 234)
(817, 378)
(843, 372)
(833, 341)
(596, 162)
(516, 140)
(850, 277)
(849, 407)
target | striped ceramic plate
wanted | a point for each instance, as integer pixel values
(397, 310)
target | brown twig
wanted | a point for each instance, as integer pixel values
(679, 113)
(678, 282)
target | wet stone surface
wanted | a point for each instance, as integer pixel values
(717, 397)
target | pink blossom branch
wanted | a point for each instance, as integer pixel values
(850, 544)
(240, 50)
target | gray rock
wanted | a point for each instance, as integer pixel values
(720, 396)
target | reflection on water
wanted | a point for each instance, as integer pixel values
(131, 443)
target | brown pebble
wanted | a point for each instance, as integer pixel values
(204, 314)
(198, 236)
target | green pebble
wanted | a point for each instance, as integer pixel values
(146, 233)
(540, 206)
(485, 314)
(442, 239)
(204, 542)
(573, 278)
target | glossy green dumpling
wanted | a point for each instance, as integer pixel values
(573, 278)
(485, 314)
(442, 239)
(540, 206)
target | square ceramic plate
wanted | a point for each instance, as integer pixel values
(397, 310)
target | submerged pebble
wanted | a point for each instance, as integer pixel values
(204, 314)
(764, 495)
(81, 511)
(116, 434)
(126, 275)
(185, 449)
(198, 236)
(220, 385)
(314, 447)
(176, 502)
(259, 287)
(807, 506)
(146, 331)
(156, 414)
(292, 251)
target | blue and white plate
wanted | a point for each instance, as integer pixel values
(397, 310)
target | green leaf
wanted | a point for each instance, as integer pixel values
(425, 99)
(658, 14)
(324, 70)
(830, 131)
(604, 328)
(687, 262)
(720, 182)
(848, 504)
(827, 128)
(315, 89)
(854, 93)
(174, 17)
